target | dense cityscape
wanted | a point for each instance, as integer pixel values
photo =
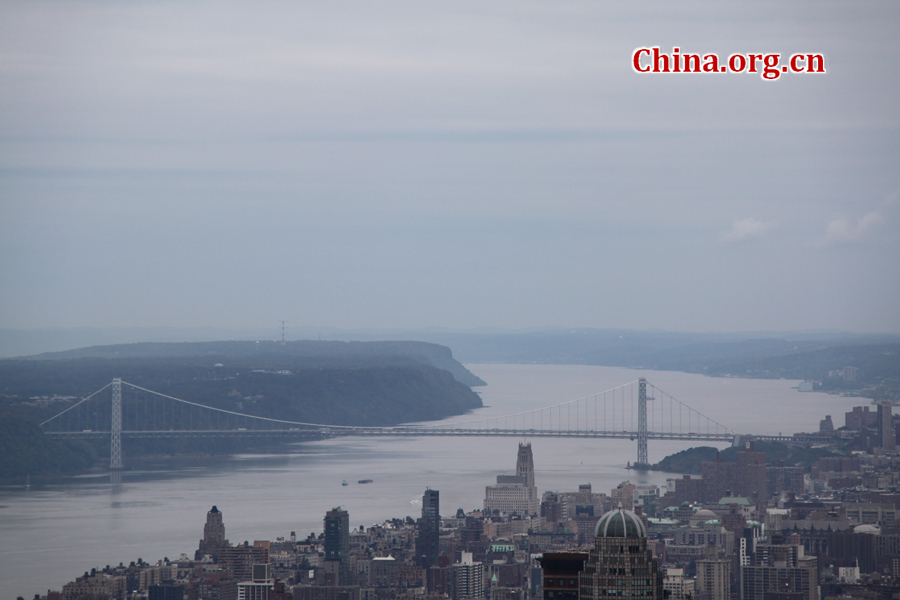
(746, 529)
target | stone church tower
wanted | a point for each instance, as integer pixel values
(525, 464)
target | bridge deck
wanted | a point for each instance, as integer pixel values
(422, 432)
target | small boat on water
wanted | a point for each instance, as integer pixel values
(364, 481)
(345, 482)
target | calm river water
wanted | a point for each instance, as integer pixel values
(52, 533)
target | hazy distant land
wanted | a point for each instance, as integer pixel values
(814, 356)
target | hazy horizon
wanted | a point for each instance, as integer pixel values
(18, 343)
(408, 166)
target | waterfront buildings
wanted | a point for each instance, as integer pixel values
(859, 418)
(729, 549)
(515, 493)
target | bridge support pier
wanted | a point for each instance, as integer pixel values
(642, 423)
(115, 441)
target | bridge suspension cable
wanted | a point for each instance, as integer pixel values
(608, 414)
(77, 404)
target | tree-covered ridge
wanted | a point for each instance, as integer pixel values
(689, 461)
(329, 392)
(25, 450)
(378, 389)
(302, 352)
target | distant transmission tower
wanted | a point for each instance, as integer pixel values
(282, 331)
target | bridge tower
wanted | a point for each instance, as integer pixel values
(115, 442)
(642, 423)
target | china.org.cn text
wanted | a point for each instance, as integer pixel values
(651, 60)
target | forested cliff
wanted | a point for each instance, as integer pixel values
(334, 383)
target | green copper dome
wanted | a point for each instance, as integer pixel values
(620, 523)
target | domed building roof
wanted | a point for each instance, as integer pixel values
(620, 523)
(867, 528)
(704, 514)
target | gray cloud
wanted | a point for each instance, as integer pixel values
(844, 230)
(746, 228)
(403, 164)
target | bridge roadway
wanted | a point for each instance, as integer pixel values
(326, 432)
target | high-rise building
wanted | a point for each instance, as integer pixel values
(515, 493)
(213, 535)
(620, 565)
(560, 572)
(259, 587)
(849, 373)
(623, 495)
(785, 479)
(428, 538)
(859, 417)
(677, 585)
(885, 424)
(240, 559)
(469, 578)
(780, 569)
(165, 591)
(752, 481)
(718, 479)
(525, 464)
(713, 579)
(745, 478)
(337, 545)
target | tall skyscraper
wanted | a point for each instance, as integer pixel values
(337, 545)
(620, 565)
(525, 464)
(428, 540)
(885, 423)
(515, 493)
(213, 535)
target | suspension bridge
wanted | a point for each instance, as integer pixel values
(635, 411)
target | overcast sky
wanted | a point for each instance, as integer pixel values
(446, 164)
